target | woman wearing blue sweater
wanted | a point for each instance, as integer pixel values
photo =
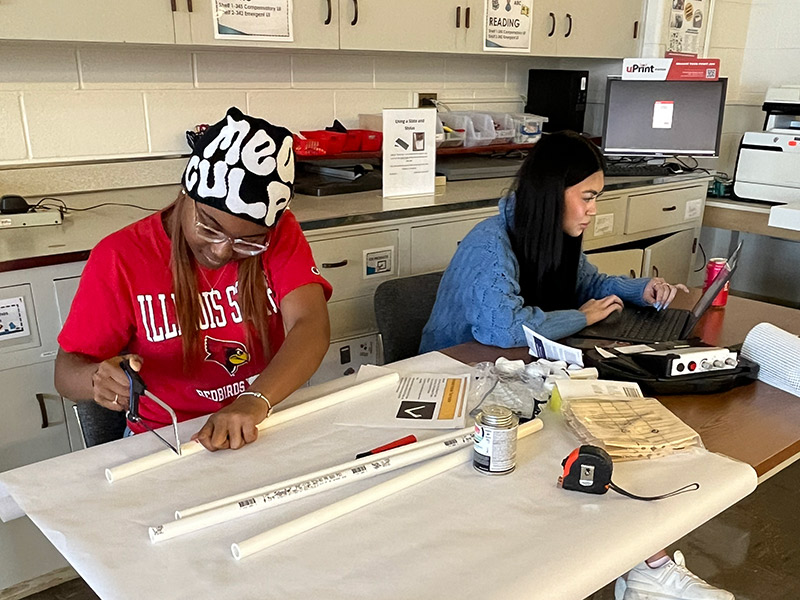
(525, 266)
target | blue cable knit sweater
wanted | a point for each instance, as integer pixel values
(479, 296)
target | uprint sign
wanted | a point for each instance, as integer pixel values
(671, 69)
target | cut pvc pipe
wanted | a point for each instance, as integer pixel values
(164, 457)
(309, 485)
(337, 509)
(188, 512)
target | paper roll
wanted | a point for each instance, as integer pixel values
(777, 353)
(382, 490)
(163, 457)
(309, 485)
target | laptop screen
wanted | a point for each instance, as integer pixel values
(723, 276)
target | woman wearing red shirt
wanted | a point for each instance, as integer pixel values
(216, 300)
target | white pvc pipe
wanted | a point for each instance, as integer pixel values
(188, 512)
(309, 485)
(382, 490)
(163, 457)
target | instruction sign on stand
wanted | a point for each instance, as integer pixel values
(409, 151)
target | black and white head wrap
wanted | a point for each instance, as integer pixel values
(244, 166)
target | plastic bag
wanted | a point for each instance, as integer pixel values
(522, 388)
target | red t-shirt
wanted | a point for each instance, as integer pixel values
(125, 304)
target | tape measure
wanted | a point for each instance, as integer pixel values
(588, 469)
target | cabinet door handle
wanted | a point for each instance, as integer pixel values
(636, 30)
(355, 14)
(334, 265)
(458, 17)
(633, 274)
(43, 409)
(328, 20)
(655, 271)
(552, 24)
(173, 4)
(669, 208)
(189, 5)
(466, 17)
(569, 29)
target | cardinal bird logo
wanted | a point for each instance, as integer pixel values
(228, 354)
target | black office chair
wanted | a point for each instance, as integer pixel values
(99, 425)
(402, 307)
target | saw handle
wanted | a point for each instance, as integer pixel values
(137, 388)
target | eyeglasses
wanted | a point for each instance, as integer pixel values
(211, 235)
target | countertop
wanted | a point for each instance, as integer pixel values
(72, 240)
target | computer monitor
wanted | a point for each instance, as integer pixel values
(663, 118)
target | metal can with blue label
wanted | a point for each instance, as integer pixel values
(495, 448)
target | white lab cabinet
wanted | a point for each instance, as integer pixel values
(32, 418)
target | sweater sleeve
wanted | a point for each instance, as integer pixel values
(495, 309)
(592, 284)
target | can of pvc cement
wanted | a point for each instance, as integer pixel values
(495, 450)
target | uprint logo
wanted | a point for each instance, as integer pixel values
(641, 68)
(228, 354)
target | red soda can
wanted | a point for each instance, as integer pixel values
(714, 266)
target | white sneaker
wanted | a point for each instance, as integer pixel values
(670, 581)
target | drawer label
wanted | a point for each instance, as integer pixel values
(378, 261)
(13, 318)
(603, 225)
(693, 209)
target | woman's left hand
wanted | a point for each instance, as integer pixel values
(233, 426)
(659, 293)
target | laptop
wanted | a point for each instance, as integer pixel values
(646, 324)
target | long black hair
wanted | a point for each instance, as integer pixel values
(548, 258)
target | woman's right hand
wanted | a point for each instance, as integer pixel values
(597, 310)
(111, 385)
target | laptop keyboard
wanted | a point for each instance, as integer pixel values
(652, 326)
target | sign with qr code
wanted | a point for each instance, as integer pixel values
(675, 68)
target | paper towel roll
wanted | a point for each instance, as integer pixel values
(777, 352)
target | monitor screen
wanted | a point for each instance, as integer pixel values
(663, 118)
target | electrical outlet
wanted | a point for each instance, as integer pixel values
(425, 99)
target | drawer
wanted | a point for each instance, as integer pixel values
(662, 209)
(609, 221)
(432, 246)
(355, 265)
(355, 316)
(618, 262)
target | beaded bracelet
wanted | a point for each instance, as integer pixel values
(258, 395)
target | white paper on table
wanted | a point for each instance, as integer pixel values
(103, 534)
(421, 401)
(570, 389)
(541, 347)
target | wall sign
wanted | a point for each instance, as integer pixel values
(269, 20)
(507, 26)
(688, 27)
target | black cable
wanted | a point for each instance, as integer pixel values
(691, 169)
(63, 205)
(687, 488)
(702, 266)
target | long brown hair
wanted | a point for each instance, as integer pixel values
(252, 290)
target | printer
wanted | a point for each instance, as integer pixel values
(768, 163)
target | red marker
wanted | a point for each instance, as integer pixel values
(409, 439)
